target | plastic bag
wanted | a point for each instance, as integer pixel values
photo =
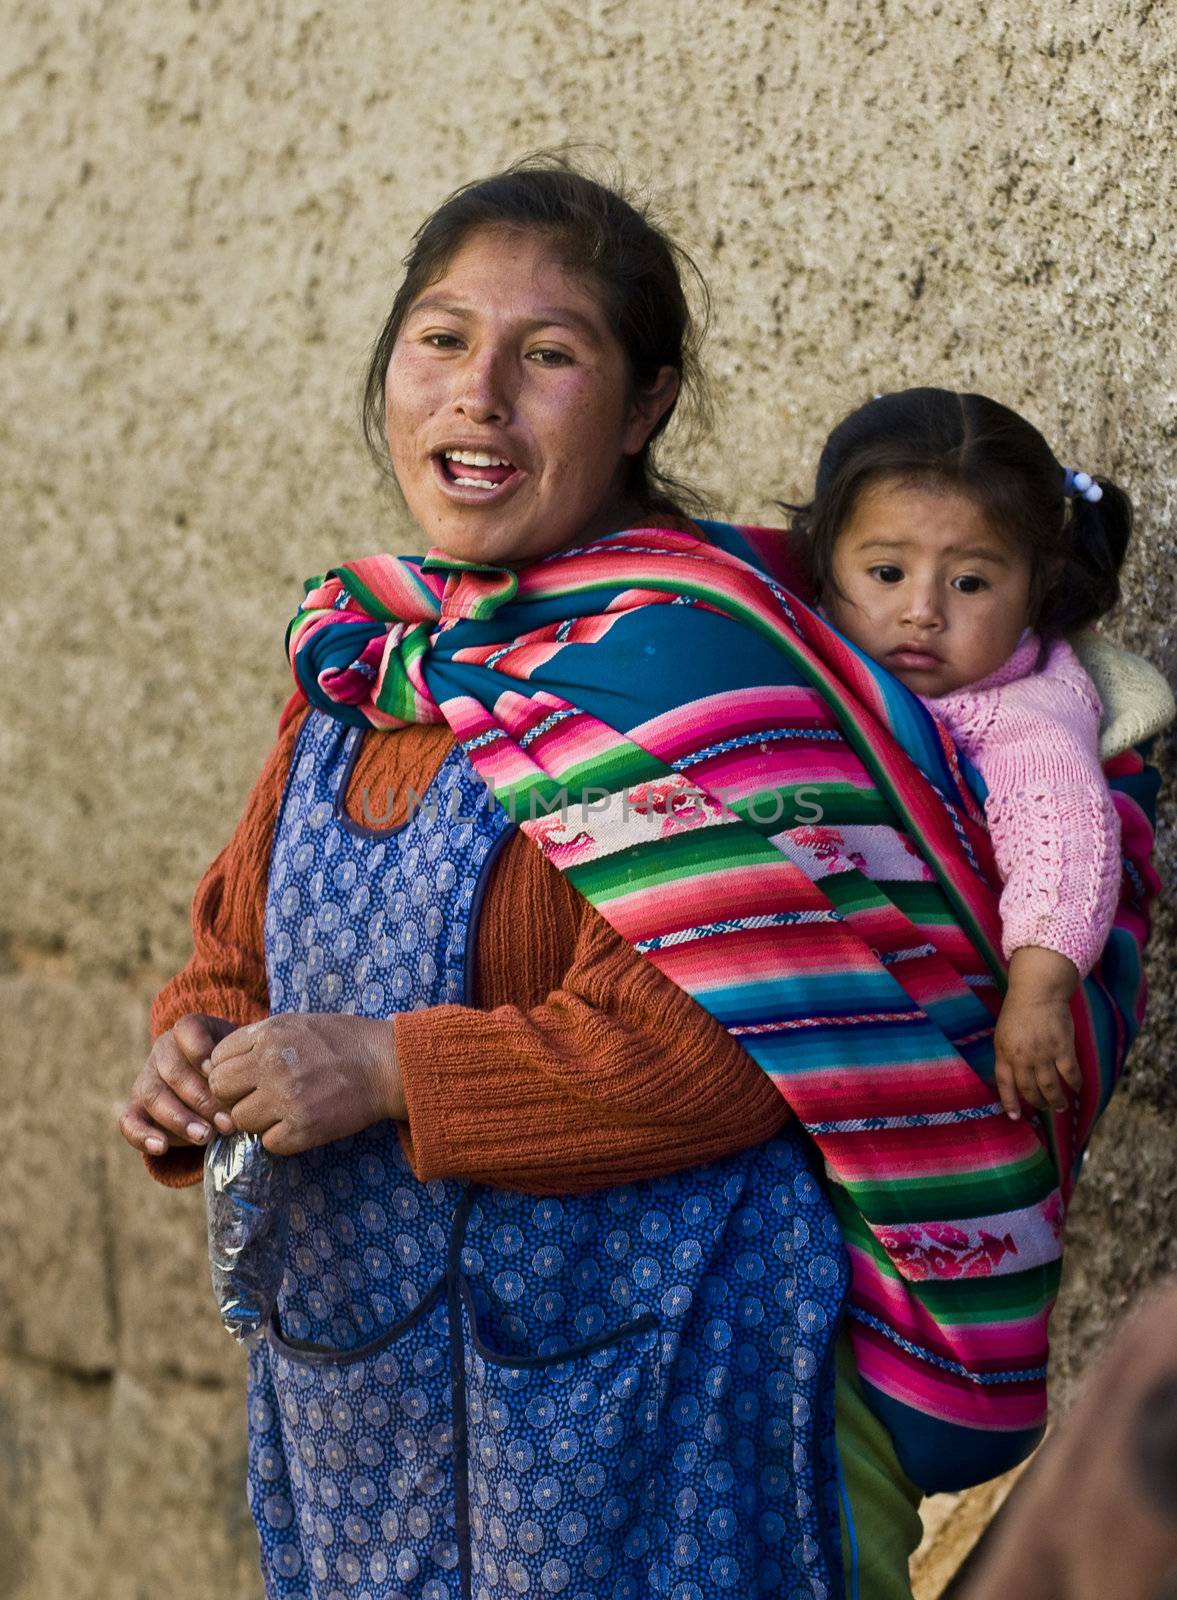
(248, 1221)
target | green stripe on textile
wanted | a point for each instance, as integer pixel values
(359, 590)
(920, 902)
(1011, 1187)
(1008, 1295)
(793, 806)
(619, 769)
(397, 697)
(678, 859)
(536, 797)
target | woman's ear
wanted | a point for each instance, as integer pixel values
(649, 406)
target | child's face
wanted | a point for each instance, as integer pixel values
(926, 587)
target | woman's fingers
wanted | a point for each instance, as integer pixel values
(197, 1035)
(173, 1067)
(238, 1043)
(170, 1102)
(231, 1080)
(138, 1130)
(254, 1113)
(156, 1118)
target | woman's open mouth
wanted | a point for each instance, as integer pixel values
(474, 474)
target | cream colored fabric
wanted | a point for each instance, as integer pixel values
(1137, 700)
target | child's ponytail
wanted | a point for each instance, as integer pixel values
(1088, 584)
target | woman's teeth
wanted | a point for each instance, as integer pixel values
(484, 471)
(475, 458)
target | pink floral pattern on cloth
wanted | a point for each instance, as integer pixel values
(977, 1247)
(944, 1250)
(880, 851)
(587, 830)
(679, 804)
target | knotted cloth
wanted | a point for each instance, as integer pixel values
(786, 832)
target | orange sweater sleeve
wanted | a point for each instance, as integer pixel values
(226, 973)
(613, 1075)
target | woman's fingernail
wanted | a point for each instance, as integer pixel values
(156, 1145)
(1014, 1116)
(197, 1130)
(224, 1122)
(206, 1066)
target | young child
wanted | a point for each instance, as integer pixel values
(946, 542)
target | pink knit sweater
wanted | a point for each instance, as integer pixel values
(1032, 731)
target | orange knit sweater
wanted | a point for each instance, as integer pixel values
(579, 1066)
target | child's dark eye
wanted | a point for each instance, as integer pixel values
(886, 574)
(969, 583)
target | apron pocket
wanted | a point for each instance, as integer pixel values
(368, 1440)
(561, 1451)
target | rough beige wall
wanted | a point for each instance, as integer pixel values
(201, 210)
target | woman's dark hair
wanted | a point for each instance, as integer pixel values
(974, 446)
(600, 236)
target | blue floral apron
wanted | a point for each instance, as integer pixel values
(472, 1394)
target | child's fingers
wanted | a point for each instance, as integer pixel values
(1050, 1086)
(1007, 1090)
(1029, 1087)
(1068, 1065)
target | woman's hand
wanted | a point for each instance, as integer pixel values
(170, 1101)
(1035, 1036)
(304, 1080)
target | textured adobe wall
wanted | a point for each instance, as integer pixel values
(200, 216)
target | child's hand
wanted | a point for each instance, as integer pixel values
(1035, 1037)
(1035, 1045)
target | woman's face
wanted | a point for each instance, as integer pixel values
(509, 408)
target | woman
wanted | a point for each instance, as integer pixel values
(628, 1389)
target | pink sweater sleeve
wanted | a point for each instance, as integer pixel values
(1034, 738)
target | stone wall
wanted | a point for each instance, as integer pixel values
(201, 214)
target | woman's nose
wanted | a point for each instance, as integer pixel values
(483, 390)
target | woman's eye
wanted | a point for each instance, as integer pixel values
(549, 358)
(969, 583)
(887, 574)
(443, 341)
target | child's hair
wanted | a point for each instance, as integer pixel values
(636, 269)
(974, 446)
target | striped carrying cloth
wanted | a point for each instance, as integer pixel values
(782, 829)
